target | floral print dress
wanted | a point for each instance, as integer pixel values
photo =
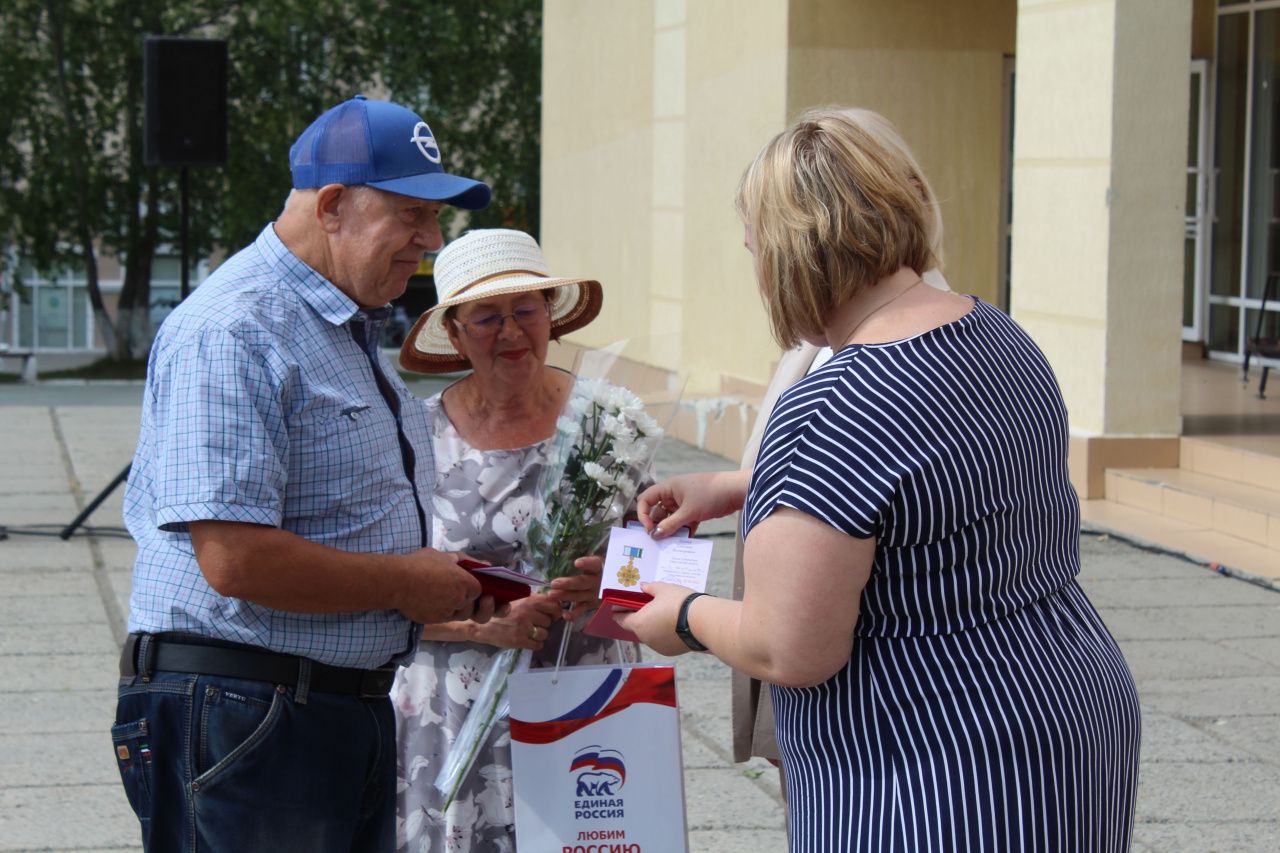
(482, 505)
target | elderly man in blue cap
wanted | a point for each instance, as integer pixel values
(279, 499)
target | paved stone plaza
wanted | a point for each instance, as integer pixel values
(1204, 649)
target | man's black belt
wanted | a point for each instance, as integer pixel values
(165, 653)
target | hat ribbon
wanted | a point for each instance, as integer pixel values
(492, 276)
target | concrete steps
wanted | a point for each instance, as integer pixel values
(1222, 505)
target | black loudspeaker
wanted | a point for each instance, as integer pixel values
(185, 86)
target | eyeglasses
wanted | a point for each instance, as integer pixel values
(526, 317)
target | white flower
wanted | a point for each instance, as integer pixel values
(496, 802)
(406, 830)
(458, 820)
(626, 485)
(581, 405)
(493, 481)
(513, 520)
(627, 453)
(647, 426)
(598, 390)
(416, 766)
(624, 402)
(415, 686)
(568, 427)
(466, 674)
(596, 471)
(617, 427)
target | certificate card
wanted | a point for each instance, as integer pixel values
(634, 557)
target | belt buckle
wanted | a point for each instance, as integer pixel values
(376, 683)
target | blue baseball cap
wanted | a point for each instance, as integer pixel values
(383, 145)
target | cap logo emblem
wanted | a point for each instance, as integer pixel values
(426, 142)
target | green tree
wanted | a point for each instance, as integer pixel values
(72, 181)
(72, 178)
(476, 72)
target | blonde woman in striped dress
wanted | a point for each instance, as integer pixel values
(940, 682)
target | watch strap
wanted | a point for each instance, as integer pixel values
(682, 624)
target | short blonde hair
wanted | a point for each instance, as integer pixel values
(834, 204)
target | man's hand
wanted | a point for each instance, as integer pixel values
(436, 589)
(281, 570)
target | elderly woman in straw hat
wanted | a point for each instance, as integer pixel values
(499, 309)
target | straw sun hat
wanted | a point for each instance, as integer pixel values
(492, 262)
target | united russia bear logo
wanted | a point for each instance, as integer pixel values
(601, 772)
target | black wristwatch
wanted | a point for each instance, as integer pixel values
(682, 624)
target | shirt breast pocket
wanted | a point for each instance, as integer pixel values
(342, 453)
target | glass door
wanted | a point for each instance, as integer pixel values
(1197, 209)
(1246, 226)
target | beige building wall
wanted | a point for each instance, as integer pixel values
(1098, 189)
(652, 110)
(1099, 165)
(597, 153)
(935, 68)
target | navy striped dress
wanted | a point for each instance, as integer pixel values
(984, 705)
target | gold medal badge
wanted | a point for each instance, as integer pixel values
(629, 575)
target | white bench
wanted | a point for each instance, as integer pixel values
(28, 361)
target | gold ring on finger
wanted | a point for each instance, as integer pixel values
(533, 633)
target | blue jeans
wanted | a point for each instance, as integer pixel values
(226, 764)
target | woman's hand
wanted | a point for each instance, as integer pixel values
(525, 625)
(581, 591)
(655, 623)
(685, 500)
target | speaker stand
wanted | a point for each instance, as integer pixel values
(94, 504)
(185, 185)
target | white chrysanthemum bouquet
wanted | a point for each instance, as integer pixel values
(603, 449)
(604, 446)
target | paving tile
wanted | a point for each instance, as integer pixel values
(738, 841)
(45, 583)
(700, 751)
(1203, 793)
(53, 712)
(78, 671)
(725, 799)
(28, 554)
(1217, 836)
(1213, 697)
(67, 818)
(1256, 736)
(1208, 621)
(50, 610)
(57, 638)
(1176, 592)
(1187, 659)
(121, 582)
(55, 761)
(707, 703)
(1141, 623)
(1168, 739)
(117, 554)
(1265, 650)
(1103, 557)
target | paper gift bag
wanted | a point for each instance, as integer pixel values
(596, 759)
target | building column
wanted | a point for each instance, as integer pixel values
(1098, 194)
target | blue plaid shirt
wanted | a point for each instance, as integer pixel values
(260, 407)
